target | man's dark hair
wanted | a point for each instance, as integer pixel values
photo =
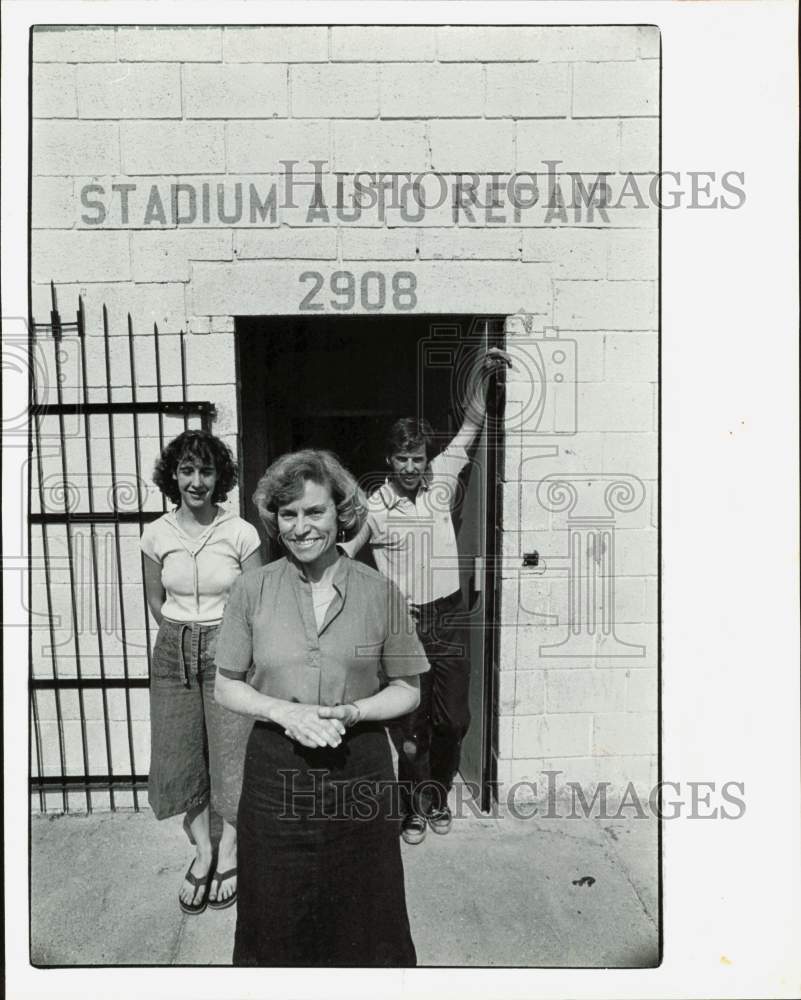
(408, 434)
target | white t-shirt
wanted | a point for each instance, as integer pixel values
(197, 573)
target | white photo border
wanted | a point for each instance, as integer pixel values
(730, 679)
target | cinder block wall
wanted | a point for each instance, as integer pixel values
(148, 106)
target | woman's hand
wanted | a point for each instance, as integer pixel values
(305, 724)
(399, 697)
(347, 714)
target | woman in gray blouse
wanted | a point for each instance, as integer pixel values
(321, 651)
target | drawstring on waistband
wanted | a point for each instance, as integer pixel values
(198, 646)
(184, 667)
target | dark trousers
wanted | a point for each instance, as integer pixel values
(429, 740)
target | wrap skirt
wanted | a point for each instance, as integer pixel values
(320, 870)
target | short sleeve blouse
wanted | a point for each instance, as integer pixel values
(367, 635)
(197, 573)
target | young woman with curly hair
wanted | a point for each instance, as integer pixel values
(321, 651)
(193, 555)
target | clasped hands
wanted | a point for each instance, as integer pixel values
(317, 725)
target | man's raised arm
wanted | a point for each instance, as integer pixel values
(475, 408)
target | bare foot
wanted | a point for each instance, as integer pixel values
(191, 894)
(227, 887)
(226, 862)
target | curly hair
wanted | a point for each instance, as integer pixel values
(411, 433)
(284, 481)
(202, 447)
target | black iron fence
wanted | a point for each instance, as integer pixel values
(101, 410)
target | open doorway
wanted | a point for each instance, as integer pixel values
(339, 383)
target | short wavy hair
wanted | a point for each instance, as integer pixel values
(409, 433)
(202, 447)
(284, 482)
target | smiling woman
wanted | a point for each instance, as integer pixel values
(307, 526)
(192, 557)
(321, 651)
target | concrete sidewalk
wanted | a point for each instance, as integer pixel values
(494, 892)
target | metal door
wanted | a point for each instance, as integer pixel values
(479, 552)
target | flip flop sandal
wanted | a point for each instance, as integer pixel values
(196, 882)
(219, 878)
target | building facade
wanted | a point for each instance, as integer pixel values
(202, 179)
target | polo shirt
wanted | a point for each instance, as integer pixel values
(367, 635)
(414, 542)
(197, 573)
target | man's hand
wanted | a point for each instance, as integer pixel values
(495, 359)
(490, 363)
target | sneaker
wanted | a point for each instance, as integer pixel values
(440, 820)
(413, 828)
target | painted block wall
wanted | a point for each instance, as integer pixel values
(222, 106)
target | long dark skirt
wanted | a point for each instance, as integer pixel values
(320, 870)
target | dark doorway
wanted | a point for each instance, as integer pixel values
(339, 383)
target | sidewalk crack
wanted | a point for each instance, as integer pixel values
(617, 862)
(178, 940)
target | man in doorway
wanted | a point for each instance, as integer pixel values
(413, 540)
